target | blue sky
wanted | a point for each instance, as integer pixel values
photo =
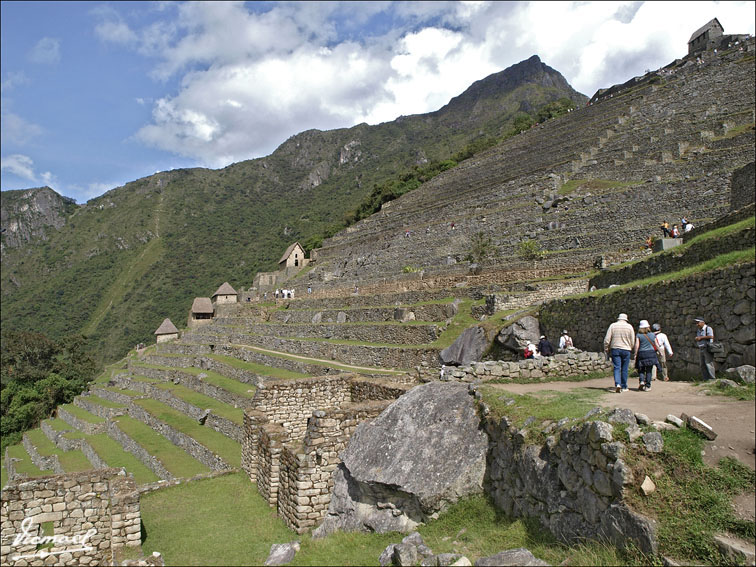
(96, 94)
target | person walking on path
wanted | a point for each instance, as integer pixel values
(645, 355)
(704, 337)
(664, 352)
(618, 344)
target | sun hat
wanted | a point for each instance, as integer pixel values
(643, 324)
(543, 336)
(699, 320)
(656, 327)
(564, 332)
(622, 317)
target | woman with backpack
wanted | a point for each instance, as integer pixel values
(645, 355)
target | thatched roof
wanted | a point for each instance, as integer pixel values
(289, 250)
(705, 28)
(166, 328)
(202, 305)
(225, 289)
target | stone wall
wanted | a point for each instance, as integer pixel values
(128, 444)
(573, 484)
(80, 424)
(42, 462)
(674, 260)
(743, 185)
(293, 434)
(575, 363)
(723, 297)
(100, 509)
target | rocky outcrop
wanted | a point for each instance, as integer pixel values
(31, 214)
(425, 451)
(523, 331)
(469, 347)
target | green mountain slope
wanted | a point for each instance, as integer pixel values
(142, 252)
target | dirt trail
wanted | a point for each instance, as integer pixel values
(732, 420)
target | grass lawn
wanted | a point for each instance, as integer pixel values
(228, 384)
(236, 415)
(256, 368)
(24, 464)
(76, 411)
(228, 449)
(71, 461)
(221, 521)
(177, 461)
(103, 402)
(114, 455)
(58, 424)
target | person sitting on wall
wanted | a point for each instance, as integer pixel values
(545, 347)
(650, 242)
(675, 231)
(527, 353)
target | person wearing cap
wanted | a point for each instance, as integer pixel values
(645, 355)
(565, 341)
(664, 352)
(544, 346)
(704, 337)
(618, 344)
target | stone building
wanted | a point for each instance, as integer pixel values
(294, 257)
(202, 312)
(225, 294)
(706, 37)
(167, 331)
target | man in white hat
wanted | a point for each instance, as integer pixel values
(618, 344)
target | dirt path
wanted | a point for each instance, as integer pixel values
(732, 420)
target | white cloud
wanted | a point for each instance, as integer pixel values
(23, 166)
(45, 51)
(115, 32)
(16, 130)
(250, 79)
(13, 80)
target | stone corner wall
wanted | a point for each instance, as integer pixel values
(573, 363)
(573, 484)
(92, 513)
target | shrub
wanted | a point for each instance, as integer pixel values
(529, 250)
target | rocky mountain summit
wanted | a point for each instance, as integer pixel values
(32, 215)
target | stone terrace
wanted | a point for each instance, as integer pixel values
(656, 148)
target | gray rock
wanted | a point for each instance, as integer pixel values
(403, 314)
(414, 539)
(642, 419)
(622, 415)
(745, 374)
(674, 420)
(469, 347)
(519, 556)
(317, 318)
(442, 560)
(388, 553)
(404, 554)
(700, 426)
(653, 442)
(725, 383)
(282, 553)
(341, 317)
(623, 526)
(517, 335)
(424, 452)
(634, 433)
(735, 551)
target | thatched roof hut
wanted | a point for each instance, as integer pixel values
(202, 306)
(166, 331)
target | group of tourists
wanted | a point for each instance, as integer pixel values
(284, 294)
(650, 348)
(675, 232)
(545, 348)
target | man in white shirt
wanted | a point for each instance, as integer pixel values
(665, 350)
(565, 341)
(618, 343)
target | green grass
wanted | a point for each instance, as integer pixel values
(544, 405)
(125, 391)
(461, 321)
(721, 261)
(231, 413)
(228, 384)
(692, 501)
(24, 464)
(224, 521)
(228, 449)
(220, 521)
(3, 474)
(594, 185)
(71, 461)
(104, 403)
(256, 368)
(76, 411)
(58, 424)
(114, 455)
(743, 392)
(177, 461)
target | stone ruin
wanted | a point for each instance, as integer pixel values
(90, 517)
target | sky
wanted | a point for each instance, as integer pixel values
(96, 94)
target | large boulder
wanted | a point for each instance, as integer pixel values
(517, 335)
(469, 347)
(424, 452)
(744, 374)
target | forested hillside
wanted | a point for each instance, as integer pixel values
(140, 253)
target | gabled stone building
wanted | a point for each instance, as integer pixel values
(294, 257)
(202, 312)
(167, 331)
(225, 294)
(705, 37)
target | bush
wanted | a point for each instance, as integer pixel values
(529, 250)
